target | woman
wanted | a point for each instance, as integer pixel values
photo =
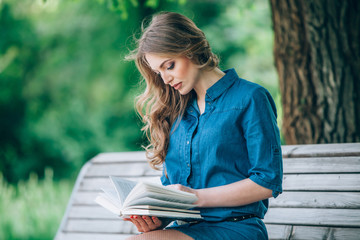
(214, 133)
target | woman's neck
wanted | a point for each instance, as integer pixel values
(206, 80)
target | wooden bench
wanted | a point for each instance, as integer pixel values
(321, 198)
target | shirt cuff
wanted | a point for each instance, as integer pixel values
(276, 189)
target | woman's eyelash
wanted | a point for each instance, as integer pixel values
(171, 66)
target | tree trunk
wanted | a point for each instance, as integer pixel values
(317, 56)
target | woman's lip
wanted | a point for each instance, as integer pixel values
(177, 86)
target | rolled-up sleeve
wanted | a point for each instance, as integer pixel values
(263, 140)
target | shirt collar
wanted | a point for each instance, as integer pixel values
(222, 84)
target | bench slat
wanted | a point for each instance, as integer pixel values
(317, 200)
(321, 182)
(95, 184)
(322, 165)
(289, 199)
(314, 217)
(304, 216)
(100, 226)
(278, 231)
(292, 182)
(321, 150)
(291, 165)
(92, 212)
(92, 236)
(313, 233)
(126, 169)
(119, 157)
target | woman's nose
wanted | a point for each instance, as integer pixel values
(166, 78)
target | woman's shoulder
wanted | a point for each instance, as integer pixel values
(246, 91)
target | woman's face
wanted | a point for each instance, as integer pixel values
(178, 72)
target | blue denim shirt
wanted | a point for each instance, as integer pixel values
(236, 137)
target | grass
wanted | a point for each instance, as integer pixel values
(33, 209)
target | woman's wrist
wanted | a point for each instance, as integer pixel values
(202, 199)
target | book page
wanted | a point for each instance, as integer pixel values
(159, 213)
(142, 190)
(112, 195)
(123, 187)
(103, 201)
(158, 202)
(162, 209)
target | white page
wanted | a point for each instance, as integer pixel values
(160, 192)
(108, 205)
(157, 202)
(111, 195)
(123, 187)
(162, 209)
(158, 213)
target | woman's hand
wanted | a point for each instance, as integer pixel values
(182, 188)
(186, 189)
(145, 223)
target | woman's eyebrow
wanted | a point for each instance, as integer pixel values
(162, 64)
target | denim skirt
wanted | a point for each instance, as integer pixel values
(249, 229)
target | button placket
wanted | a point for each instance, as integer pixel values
(188, 142)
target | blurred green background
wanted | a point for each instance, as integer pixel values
(66, 93)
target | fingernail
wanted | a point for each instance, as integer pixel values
(131, 216)
(144, 217)
(153, 218)
(135, 217)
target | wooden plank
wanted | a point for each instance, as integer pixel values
(85, 198)
(278, 231)
(78, 182)
(321, 150)
(321, 182)
(308, 150)
(92, 236)
(319, 233)
(317, 200)
(314, 233)
(314, 217)
(322, 165)
(291, 165)
(100, 226)
(92, 212)
(94, 184)
(121, 169)
(136, 156)
(292, 182)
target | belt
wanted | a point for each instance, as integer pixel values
(229, 219)
(237, 219)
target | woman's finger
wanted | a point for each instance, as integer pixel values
(149, 222)
(144, 226)
(156, 221)
(136, 223)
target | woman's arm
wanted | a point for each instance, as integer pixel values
(235, 194)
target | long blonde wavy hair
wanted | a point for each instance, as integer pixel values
(172, 35)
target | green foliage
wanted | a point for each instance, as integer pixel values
(32, 209)
(66, 93)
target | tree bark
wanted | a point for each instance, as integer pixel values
(317, 56)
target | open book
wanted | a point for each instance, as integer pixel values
(140, 198)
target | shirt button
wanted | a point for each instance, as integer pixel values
(188, 165)
(187, 142)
